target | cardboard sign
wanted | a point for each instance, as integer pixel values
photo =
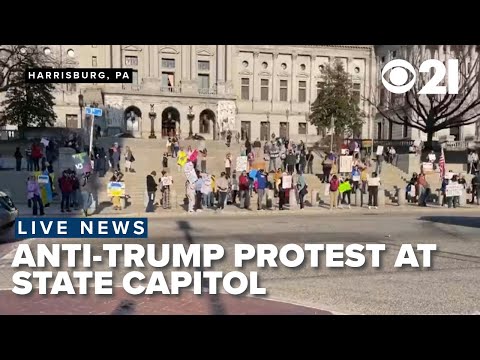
(82, 163)
(45, 142)
(190, 173)
(182, 158)
(367, 143)
(344, 151)
(43, 179)
(427, 167)
(286, 181)
(454, 190)
(346, 164)
(379, 150)
(242, 163)
(167, 181)
(449, 175)
(116, 189)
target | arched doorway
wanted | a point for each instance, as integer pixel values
(132, 117)
(207, 122)
(170, 122)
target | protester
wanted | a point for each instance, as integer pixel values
(310, 158)
(472, 162)
(203, 160)
(302, 162)
(87, 196)
(36, 156)
(165, 161)
(151, 191)
(476, 187)
(326, 169)
(18, 158)
(101, 163)
(228, 164)
(291, 161)
(302, 189)
(423, 190)
(234, 187)
(432, 158)
(380, 159)
(373, 183)
(33, 195)
(222, 186)
(345, 190)
(65, 183)
(244, 188)
(282, 194)
(166, 182)
(453, 200)
(116, 200)
(333, 191)
(262, 179)
(206, 190)
(129, 159)
(198, 192)
(28, 154)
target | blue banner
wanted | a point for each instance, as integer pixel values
(76, 228)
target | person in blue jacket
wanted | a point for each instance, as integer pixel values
(262, 183)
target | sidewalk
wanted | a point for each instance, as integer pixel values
(234, 211)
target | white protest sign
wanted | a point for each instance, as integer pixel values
(242, 163)
(190, 173)
(379, 150)
(346, 164)
(167, 181)
(454, 190)
(427, 167)
(45, 142)
(287, 181)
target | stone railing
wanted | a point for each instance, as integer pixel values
(460, 145)
(171, 89)
(132, 87)
(208, 91)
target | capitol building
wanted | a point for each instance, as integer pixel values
(255, 90)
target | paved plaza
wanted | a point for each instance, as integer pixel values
(450, 286)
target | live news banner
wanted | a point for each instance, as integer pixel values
(34, 260)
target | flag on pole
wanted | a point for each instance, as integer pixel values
(441, 165)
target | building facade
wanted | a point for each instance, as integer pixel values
(383, 129)
(256, 90)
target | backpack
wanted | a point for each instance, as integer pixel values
(334, 185)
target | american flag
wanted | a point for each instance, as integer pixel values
(441, 165)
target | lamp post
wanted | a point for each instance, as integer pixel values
(81, 105)
(190, 117)
(152, 115)
(332, 129)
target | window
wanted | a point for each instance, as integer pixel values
(319, 86)
(383, 59)
(394, 53)
(245, 89)
(390, 130)
(168, 79)
(302, 128)
(131, 61)
(405, 130)
(168, 63)
(94, 61)
(203, 81)
(71, 121)
(356, 92)
(264, 89)
(203, 65)
(205, 124)
(283, 90)
(135, 77)
(302, 91)
(71, 87)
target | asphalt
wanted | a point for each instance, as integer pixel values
(450, 286)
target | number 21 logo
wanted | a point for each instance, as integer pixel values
(399, 77)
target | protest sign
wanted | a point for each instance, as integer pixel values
(344, 186)
(427, 167)
(167, 181)
(43, 179)
(346, 163)
(116, 189)
(379, 150)
(287, 181)
(454, 190)
(82, 163)
(242, 163)
(190, 173)
(45, 142)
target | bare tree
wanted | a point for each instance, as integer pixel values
(12, 60)
(431, 113)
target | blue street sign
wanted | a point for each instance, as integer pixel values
(93, 111)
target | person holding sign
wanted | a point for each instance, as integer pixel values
(302, 188)
(373, 183)
(33, 195)
(166, 182)
(453, 197)
(345, 189)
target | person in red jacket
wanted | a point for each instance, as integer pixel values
(66, 187)
(244, 187)
(36, 156)
(334, 184)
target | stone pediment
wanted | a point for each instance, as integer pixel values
(302, 75)
(131, 48)
(283, 74)
(168, 50)
(204, 52)
(264, 73)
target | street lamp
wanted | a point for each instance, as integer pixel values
(152, 115)
(190, 117)
(81, 104)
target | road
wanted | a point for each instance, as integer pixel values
(450, 286)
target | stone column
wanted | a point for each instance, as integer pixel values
(185, 62)
(313, 87)
(193, 62)
(293, 93)
(146, 61)
(108, 56)
(256, 90)
(221, 69)
(229, 70)
(275, 96)
(116, 56)
(156, 67)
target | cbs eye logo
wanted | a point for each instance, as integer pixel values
(399, 76)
